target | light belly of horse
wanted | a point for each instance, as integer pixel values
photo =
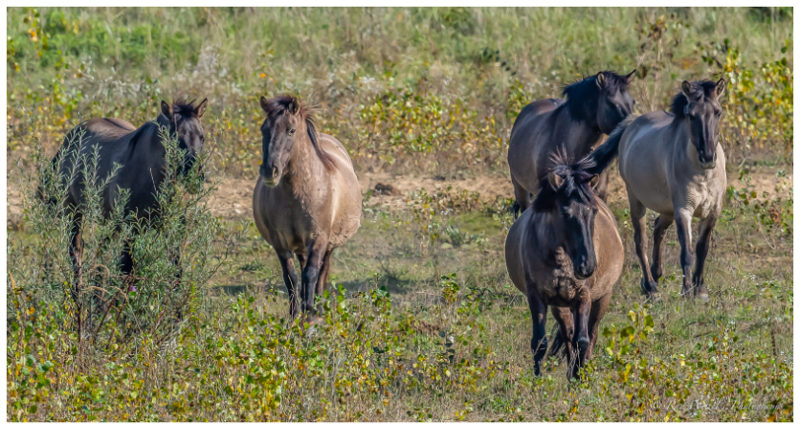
(660, 202)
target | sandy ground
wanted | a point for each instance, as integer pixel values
(233, 197)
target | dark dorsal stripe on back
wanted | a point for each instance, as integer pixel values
(281, 104)
(700, 87)
(582, 95)
(575, 181)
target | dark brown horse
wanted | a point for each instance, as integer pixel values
(593, 106)
(140, 154)
(565, 252)
(307, 200)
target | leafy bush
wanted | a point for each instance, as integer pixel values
(97, 302)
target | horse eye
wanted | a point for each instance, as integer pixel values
(291, 131)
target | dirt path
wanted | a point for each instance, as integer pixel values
(233, 197)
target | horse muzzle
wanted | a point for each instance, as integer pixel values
(270, 177)
(707, 163)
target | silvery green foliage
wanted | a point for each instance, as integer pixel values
(170, 247)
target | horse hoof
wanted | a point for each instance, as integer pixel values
(648, 289)
(703, 297)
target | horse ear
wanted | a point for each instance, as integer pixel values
(629, 76)
(294, 106)
(555, 180)
(600, 79)
(719, 88)
(201, 108)
(686, 89)
(264, 104)
(166, 109)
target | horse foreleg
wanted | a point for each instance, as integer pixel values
(659, 231)
(703, 242)
(601, 188)
(566, 330)
(522, 196)
(599, 308)
(684, 227)
(638, 212)
(76, 254)
(311, 272)
(290, 279)
(323, 275)
(539, 338)
(581, 337)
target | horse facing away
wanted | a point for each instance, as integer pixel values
(565, 251)
(140, 153)
(672, 163)
(307, 200)
(593, 107)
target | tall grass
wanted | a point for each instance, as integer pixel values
(463, 73)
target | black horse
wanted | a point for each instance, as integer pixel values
(593, 107)
(136, 156)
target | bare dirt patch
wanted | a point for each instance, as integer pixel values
(233, 197)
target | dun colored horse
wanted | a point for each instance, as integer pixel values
(593, 107)
(672, 163)
(140, 154)
(307, 199)
(565, 252)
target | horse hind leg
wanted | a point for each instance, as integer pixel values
(704, 240)
(659, 231)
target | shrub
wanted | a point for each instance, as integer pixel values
(169, 251)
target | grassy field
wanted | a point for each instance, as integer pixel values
(421, 322)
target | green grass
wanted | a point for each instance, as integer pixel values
(729, 359)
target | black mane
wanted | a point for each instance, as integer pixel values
(575, 181)
(582, 95)
(679, 102)
(184, 108)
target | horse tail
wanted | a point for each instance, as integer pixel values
(606, 152)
